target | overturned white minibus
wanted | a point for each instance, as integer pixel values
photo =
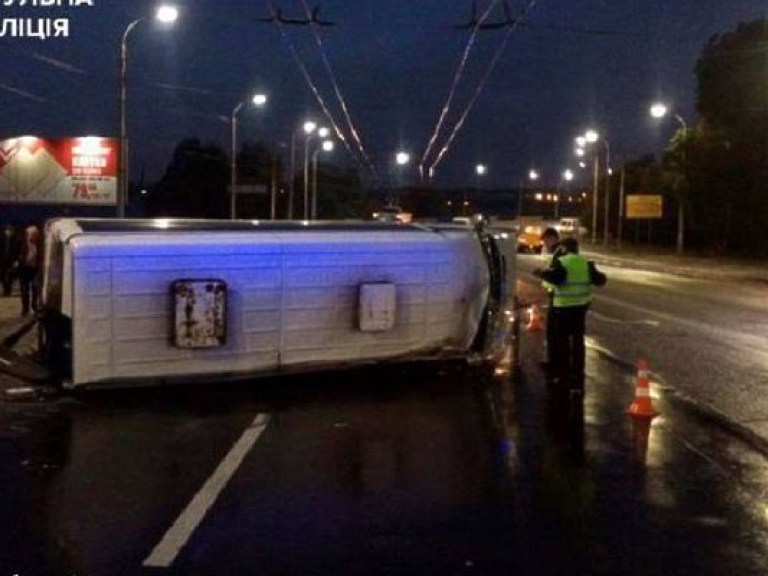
(155, 301)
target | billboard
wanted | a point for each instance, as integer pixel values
(644, 206)
(64, 171)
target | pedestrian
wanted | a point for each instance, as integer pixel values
(30, 260)
(550, 240)
(572, 277)
(9, 255)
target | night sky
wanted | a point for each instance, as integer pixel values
(574, 64)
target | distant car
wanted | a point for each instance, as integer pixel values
(529, 240)
(393, 214)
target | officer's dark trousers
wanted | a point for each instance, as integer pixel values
(569, 354)
(551, 343)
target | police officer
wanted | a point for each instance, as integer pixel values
(572, 277)
(550, 240)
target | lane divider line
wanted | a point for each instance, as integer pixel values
(182, 529)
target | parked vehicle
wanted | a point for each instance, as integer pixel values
(571, 227)
(154, 301)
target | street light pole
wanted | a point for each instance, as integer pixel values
(480, 171)
(122, 180)
(326, 146)
(258, 100)
(402, 159)
(607, 189)
(592, 137)
(167, 15)
(306, 176)
(291, 186)
(533, 176)
(594, 197)
(567, 176)
(233, 159)
(680, 209)
(309, 128)
(620, 222)
(660, 110)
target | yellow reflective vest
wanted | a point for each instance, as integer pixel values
(577, 288)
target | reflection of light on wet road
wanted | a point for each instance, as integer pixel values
(177, 536)
(604, 318)
(646, 277)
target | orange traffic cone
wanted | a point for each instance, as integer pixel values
(641, 406)
(534, 319)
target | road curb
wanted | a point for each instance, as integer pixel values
(701, 410)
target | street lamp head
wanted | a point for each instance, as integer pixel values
(659, 110)
(323, 132)
(309, 127)
(327, 145)
(579, 152)
(581, 141)
(533, 175)
(167, 14)
(402, 158)
(591, 136)
(481, 169)
(568, 175)
(259, 99)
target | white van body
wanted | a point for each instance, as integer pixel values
(293, 297)
(571, 227)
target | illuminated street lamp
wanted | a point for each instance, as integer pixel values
(166, 15)
(533, 176)
(402, 159)
(660, 110)
(567, 176)
(480, 171)
(326, 146)
(258, 100)
(591, 137)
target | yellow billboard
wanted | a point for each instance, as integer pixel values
(644, 206)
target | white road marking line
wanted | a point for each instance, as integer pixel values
(178, 535)
(610, 319)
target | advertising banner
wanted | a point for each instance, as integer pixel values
(64, 171)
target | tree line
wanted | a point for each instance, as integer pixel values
(716, 165)
(196, 184)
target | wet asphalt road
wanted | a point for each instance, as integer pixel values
(383, 471)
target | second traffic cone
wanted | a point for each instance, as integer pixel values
(642, 406)
(534, 319)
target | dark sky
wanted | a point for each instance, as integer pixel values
(577, 63)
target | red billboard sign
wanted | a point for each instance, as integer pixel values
(64, 171)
